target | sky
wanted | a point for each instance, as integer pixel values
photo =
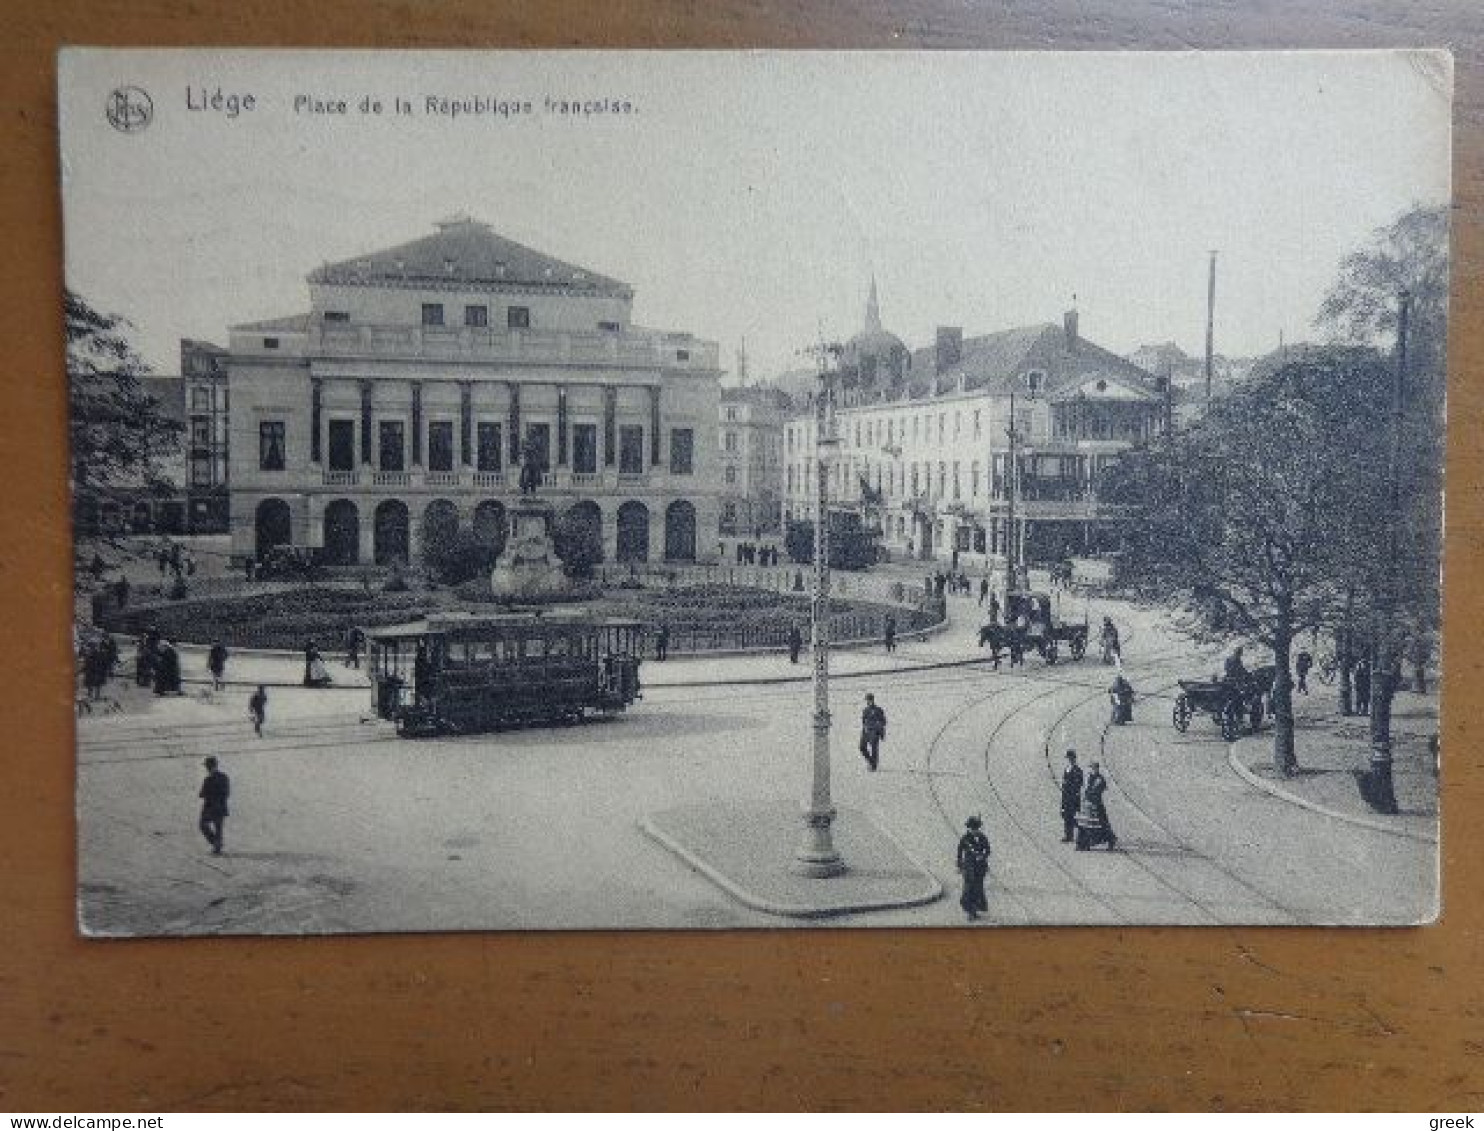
(753, 195)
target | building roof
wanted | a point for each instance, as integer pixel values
(288, 323)
(469, 253)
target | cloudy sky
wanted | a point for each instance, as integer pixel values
(754, 194)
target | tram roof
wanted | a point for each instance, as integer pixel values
(443, 623)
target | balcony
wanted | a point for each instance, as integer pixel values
(637, 349)
(340, 478)
(442, 478)
(391, 479)
(489, 479)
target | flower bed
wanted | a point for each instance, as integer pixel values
(704, 618)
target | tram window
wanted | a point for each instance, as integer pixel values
(535, 647)
(556, 646)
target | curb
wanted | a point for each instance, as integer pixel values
(795, 910)
(1240, 769)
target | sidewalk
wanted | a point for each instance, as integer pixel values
(1332, 748)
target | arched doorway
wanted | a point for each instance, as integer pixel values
(489, 526)
(680, 532)
(580, 538)
(390, 533)
(633, 532)
(342, 533)
(440, 522)
(274, 525)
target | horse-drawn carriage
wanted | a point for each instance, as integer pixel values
(1232, 703)
(1030, 626)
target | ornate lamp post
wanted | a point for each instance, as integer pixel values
(817, 855)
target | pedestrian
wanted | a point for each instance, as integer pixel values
(166, 669)
(214, 793)
(973, 866)
(1109, 640)
(121, 591)
(1234, 671)
(353, 648)
(889, 633)
(873, 732)
(1121, 694)
(1363, 687)
(144, 660)
(994, 609)
(983, 590)
(257, 709)
(795, 643)
(1096, 810)
(216, 664)
(662, 642)
(1071, 796)
(1301, 665)
(1421, 651)
(315, 672)
(94, 670)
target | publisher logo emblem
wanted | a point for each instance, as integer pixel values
(130, 109)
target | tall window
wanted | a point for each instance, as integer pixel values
(476, 315)
(488, 435)
(730, 442)
(631, 449)
(682, 451)
(955, 479)
(270, 445)
(391, 448)
(440, 445)
(200, 399)
(342, 445)
(585, 448)
(200, 430)
(976, 424)
(974, 478)
(518, 318)
(731, 475)
(201, 473)
(432, 314)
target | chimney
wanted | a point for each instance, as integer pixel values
(1069, 323)
(950, 347)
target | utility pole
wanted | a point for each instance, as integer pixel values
(1011, 475)
(1377, 788)
(1210, 322)
(817, 855)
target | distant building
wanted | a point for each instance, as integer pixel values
(203, 369)
(751, 456)
(425, 377)
(925, 446)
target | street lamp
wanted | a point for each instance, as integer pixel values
(817, 855)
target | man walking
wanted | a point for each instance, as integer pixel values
(983, 590)
(973, 866)
(1071, 796)
(257, 709)
(1363, 687)
(214, 793)
(889, 635)
(873, 731)
(662, 643)
(216, 664)
(795, 643)
(1301, 665)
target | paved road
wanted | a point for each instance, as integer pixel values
(339, 826)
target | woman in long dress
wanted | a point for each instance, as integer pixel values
(973, 865)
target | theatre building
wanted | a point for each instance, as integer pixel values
(925, 449)
(424, 377)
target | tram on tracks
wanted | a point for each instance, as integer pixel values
(464, 673)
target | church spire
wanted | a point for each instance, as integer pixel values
(873, 309)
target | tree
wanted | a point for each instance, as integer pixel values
(578, 542)
(1399, 588)
(1246, 520)
(119, 436)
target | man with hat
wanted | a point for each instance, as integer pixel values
(1071, 796)
(214, 792)
(973, 865)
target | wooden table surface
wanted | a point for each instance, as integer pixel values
(1066, 1018)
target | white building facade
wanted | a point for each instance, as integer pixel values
(425, 376)
(925, 449)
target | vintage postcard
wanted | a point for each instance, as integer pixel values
(524, 490)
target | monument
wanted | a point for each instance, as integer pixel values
(529, 568)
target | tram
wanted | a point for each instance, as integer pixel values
(463, 673)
